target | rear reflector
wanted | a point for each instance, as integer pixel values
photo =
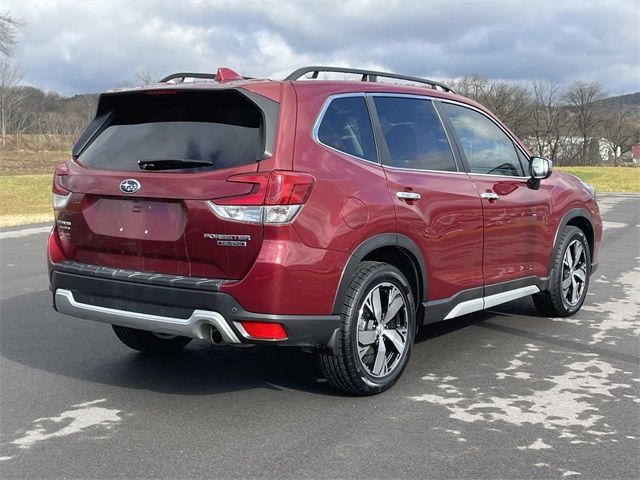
(54, 250)
(264, 330)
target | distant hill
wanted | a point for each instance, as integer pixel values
(632, 99)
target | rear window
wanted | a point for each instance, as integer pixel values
(224, 128)
(346, 127)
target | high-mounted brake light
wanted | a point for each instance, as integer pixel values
(275, 198)
(160, 92)
(60, 196)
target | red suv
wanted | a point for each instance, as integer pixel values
(339, 216)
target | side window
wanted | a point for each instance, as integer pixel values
(346, 126)
(488, 149)
(524, 161)
(414, 135)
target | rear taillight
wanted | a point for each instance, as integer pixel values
(60, 196)
(275, 198)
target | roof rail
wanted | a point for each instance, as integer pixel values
(183, 75)
(367, 76)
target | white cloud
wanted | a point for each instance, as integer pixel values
(85, 46)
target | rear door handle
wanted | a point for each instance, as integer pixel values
(408, 195)
(490, 196)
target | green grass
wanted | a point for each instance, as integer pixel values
(608, 179)
(25, 199)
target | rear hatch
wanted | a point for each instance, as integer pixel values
(144, 170)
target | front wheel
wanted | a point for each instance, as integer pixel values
(150, 342)
(373, 344)
(569, 279)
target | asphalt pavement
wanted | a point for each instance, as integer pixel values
(505, 393)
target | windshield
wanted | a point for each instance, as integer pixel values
(220, 129)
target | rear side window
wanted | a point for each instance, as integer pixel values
(346, 126)
(415, 137)
(487, 148)
(224, 128)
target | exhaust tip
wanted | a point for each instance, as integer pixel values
(215, 336)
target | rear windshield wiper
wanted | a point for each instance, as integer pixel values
(172, 164)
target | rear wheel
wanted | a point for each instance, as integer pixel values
(373, 344)
(569, 279)
(150, 342)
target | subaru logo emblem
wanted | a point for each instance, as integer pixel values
(129, 185)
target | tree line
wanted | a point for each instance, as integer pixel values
(573, 125)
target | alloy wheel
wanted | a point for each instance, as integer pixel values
(382, 329)
(574, 272)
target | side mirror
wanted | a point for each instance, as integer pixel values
(539, 169)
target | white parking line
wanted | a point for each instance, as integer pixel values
(25, 232)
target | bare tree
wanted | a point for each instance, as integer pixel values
(8, 28)
(471, 86)
(146, 77)
(10, 77)
(89, 106)
(24, 117)
(511, 102)
(620, 130)
(583, 99)
(549, 120)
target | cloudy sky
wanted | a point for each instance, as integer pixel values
(87, 46)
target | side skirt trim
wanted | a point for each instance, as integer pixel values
(491, 301)
(498, 298)
(481, 298)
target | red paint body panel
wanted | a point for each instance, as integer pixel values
(518, 228)
(289, 277)
(338, 177)
(569, 194)
(163, 237)
(446, 224)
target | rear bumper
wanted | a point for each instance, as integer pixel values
(188, 310)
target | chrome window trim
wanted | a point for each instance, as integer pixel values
(513, 140)
(472, 174)
(425, 98)
(401, 95)
(320, 117)
(418, 170)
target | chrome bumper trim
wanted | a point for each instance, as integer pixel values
(197, 325)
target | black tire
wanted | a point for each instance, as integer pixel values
(150, 342)
(554, 302)
(344, 369)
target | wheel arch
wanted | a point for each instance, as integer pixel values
(580, 218)
(391, 248)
